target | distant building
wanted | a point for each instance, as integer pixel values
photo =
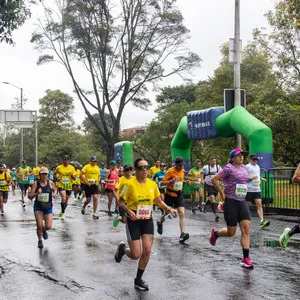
(133, 132)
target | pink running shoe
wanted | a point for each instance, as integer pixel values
(213, 238)
(246, 263)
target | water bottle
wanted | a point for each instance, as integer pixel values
(116, 220)
(203, 207)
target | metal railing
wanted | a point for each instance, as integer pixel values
(278, 191)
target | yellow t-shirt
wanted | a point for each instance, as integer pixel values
(153, 170)
(36, 172)
(91, 173)
(65, 179)
(3, 181)
(123, 181)
(77, 179)
(136, 194)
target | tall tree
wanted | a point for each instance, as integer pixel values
(123, 45)
(13, 14)
(56, 109)
(282, 42)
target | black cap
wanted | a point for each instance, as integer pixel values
(253, 156)
(102, 164)
(127, 168)
(179, 160)
(93, 158)
(24, 162)
(119, 161)
(66, 157)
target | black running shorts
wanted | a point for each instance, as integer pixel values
(135, 229)
(235, 211)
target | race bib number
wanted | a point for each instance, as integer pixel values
(25, 178)
(103, 181)
(241, 190)
(2, 183)
(31, 181)
(256, 182)
(43, 197)
(91, 181)
(177, 185)
(112, 182)
(65, 180)
(144, 212)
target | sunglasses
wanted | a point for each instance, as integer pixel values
(143, 168)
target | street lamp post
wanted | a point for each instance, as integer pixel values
(237, 66)
(21, 131)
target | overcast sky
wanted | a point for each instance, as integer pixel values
(211, 23)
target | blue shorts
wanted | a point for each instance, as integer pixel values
(45, 212)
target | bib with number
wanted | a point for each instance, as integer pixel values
(25, 178)
(144, 212)
(112, 182)
(241, 190)
(256, 182)
(91, 181)
(2, 183)
(43, 197)
(65, 180)
(31, 181)
(177, 185)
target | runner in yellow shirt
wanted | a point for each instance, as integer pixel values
(139, 195)
(90, 174)
(65, 174)
(154, 169)
(5, 179)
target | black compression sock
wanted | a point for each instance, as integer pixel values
(139, 274)
(245, 253)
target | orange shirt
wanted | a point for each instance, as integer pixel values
(171, 173)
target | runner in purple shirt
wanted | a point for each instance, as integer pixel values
(235, 177)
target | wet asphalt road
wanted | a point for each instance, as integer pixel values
(77, 261)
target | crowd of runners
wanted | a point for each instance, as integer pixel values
(133, 192)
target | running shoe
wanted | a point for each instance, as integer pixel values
(141, 285)
(83, 211)
(45, 234)
(264, 224)
(284, 238)
(200, 208)
(2, 213)
(110, 214)
(40, 244)
(183, 237)
(217, 218)
(60, 214)
(213, 238)
(159, 227)
(193, 210)
(63, 216)
(116, 211)
(23, 204)
(120, 252)
(246, 263)
(95, 217)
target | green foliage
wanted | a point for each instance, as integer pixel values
(13, 14)
(123, 48)
(55, 112)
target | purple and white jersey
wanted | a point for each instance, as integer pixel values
(235, 181)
